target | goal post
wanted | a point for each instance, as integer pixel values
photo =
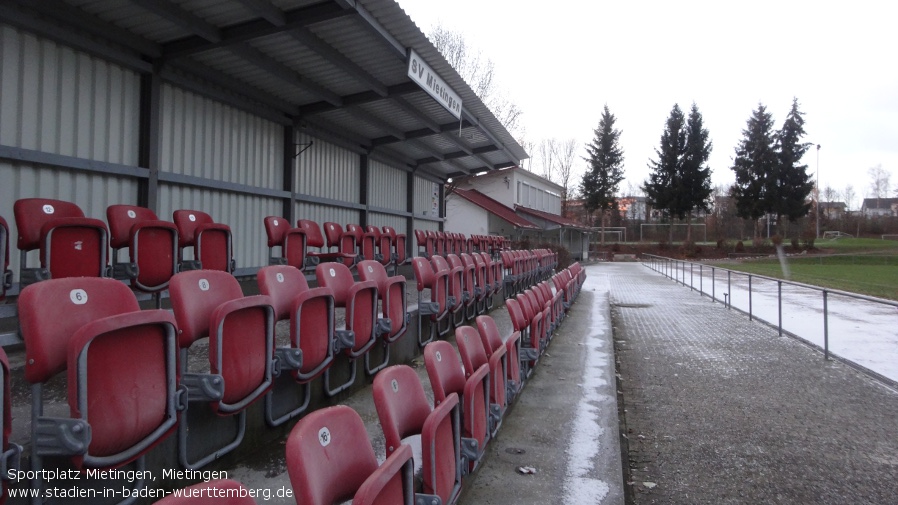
(661, 231)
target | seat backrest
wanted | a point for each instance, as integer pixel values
(329, 456)
(313, 233)
(276, 229)
(82, 300)
(391, 291)
(338, 278)
(195, 295)
(423, 273)
(282, 283)
(121, 219)
(470, 348)
(444, 370)
(489, 333)
(518, 320)
(32, 213)
(225, 491)
(188, 222)
(334, 233)
(401, 404)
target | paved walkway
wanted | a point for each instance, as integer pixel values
(721, 410)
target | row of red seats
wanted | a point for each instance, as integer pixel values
(439, 243)
(304, 246)
(71, 245)
(523, 268)
(120, 408)
(329, 456)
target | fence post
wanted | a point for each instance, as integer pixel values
(825, 326)
(749, 297)
(701, 279)
(729, 288)
(779, 303)
(691, 286)
(713, 285)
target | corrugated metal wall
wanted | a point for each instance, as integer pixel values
(381, 220)
(59, 101)
(386, 186)
(243, 213)
(325, 213)
(56, 100)
(208, 139)
(327, 171)
(424, 191)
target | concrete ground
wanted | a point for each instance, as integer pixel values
(719, 410)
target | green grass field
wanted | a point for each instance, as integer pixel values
(865, 266)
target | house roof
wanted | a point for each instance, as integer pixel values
(880, 203)
(495, 208)
(335, 69)
(552, 218)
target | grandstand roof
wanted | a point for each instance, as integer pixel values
(338, 69)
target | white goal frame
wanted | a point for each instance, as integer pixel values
(695, 225)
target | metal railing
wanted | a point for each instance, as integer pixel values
(866, 327)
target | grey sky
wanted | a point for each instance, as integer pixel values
(561, 61)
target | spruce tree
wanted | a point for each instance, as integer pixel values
(662, 189)
(755, 165)
(695, 184)
(605, 168)
(794, 183)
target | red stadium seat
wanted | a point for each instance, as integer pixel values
(359, 301)
(446, 377)
(217, 492)
(403, 411)
(291, 241)
(493, 343)
(210, 304)
(467, 286)
(70, 244)
(399, 254)
(316, 244)
(312, 338)
(455, 301)
(122, 366)
(394, 319)
(473, 356)
(344, 241)
(330, 460)
(437, 307)
(152, 248)
(211, 242)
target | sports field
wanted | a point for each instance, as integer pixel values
(865, 266)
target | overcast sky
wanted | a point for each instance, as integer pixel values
(561, 61)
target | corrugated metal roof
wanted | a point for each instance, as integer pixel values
(336, 67)
(495, 208)
(552, 218)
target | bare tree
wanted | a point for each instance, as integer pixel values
(829, 194)
(546, 154)
(479, 72)
(848, 196)
(567, 150)
(879, 181)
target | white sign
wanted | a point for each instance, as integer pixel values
(422, 74)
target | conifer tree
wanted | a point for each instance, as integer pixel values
(755, 164)
(794, 184)
(605, 168)
(662, 187)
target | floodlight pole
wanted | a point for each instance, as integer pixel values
(817, 184)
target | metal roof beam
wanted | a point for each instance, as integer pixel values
(375, 26)
(243, 32)
(185, 19)
(336, 58)
(373, 120)
(73, 16)
(218, 78)
(265, 10)
(35, 23)
(283, 72)
(416, 113)
(423, 132)
(361, 98)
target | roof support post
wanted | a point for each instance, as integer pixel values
(149, 128)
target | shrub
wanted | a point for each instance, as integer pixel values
(740, 247)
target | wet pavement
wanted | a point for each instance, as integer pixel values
(719, 409)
